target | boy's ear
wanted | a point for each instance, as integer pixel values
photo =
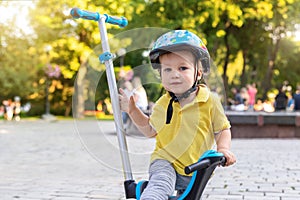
(199, 74)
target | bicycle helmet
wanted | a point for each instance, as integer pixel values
(179, 40)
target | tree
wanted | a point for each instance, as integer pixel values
(244, 39)
(17, 58)
(71, 43)
(285, 17)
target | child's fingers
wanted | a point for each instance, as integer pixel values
(230, 159)
(123, 100)
(121, 95)
(121, 91)
(131, 100)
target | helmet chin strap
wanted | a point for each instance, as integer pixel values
(186, 94)
(174, 98)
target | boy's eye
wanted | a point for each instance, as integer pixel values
(182, 68)
(167, 69)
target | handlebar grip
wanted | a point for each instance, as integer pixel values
(197, 166)
(78, 13)
(120, 21)
(223, 161)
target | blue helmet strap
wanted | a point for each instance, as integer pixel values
(177, 99)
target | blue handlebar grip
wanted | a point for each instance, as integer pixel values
(121, 21)
(78, 13)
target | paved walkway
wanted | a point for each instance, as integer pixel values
(79, 160)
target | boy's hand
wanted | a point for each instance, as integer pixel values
(126, 104)
(124, 101)
(230, 157)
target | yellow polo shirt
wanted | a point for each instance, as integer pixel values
(191, 130)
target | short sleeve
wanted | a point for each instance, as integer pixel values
(219, 119)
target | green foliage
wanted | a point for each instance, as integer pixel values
(287, 66)
(243, 38)
(17, 60)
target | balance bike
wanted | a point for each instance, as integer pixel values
(202, 170)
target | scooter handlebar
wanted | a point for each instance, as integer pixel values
(197, 166)
(78, 13)
(204, 164)
(120, 21)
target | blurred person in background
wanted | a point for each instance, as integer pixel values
(140, 94)
(297, 99)
(290, 102)
(251, 89)
(281, 100)
(237, 104)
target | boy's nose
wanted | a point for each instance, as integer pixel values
(175, 74)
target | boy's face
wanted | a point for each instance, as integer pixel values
(178, 71)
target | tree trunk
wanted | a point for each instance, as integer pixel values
(78, 96)
(243, 76)
(226, 61)
(68, 110)
(271, 64)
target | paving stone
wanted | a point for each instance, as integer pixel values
(80, 160)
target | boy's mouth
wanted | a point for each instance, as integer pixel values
(175, 83)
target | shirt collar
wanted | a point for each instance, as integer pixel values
(203, 93)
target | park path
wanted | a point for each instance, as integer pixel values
(79, 160)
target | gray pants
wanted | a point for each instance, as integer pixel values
(162, 181)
